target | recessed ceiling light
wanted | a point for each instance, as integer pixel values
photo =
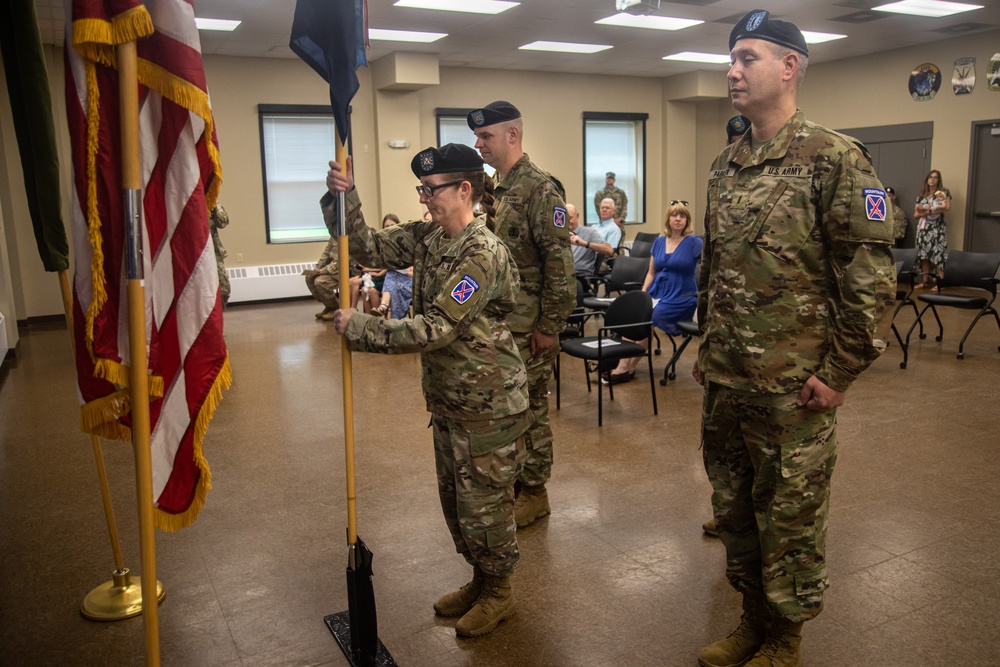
(224, 25)
(696, 57)
(565, 47)
(820, 37)
(651, 22)
(468, 6)
(932, 8)
(405, 35)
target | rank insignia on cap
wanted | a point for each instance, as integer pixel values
(559, 217)
(874, 203)
(427, 160)
(478, 118)
(465, 288)
(755, 20)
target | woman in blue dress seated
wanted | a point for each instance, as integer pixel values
(670, 281)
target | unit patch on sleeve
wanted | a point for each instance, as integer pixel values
(559, 216)
(465, 288)
(874, 203)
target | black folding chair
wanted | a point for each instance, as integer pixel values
(976, 270)
(628, 316)
(906, 283)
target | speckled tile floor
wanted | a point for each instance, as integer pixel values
(619, 574)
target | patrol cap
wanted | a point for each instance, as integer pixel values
(610, 174)
(757, 24)
(493, 113)
(737, 126)
(448, 159)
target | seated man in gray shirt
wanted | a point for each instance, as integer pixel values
(587, 244)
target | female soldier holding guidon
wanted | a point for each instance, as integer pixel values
(475, 385)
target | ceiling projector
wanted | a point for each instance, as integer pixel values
(637, 7)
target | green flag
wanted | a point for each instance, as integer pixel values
(31, 104)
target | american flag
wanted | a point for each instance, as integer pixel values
(181, 175)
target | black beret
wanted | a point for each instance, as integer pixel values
(737, 126)
(757, 25)
(493, 113)
(448, 159)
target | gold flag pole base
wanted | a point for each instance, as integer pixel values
(117, 599)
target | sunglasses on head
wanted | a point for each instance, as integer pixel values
(675, 202)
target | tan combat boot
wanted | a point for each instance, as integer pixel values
(496, 604)
(461, 601)
(710, 528)
(323, 312)
(531, 505)
(745, 641)
(782, 646)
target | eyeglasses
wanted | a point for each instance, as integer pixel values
(675, 202)
(429, 190)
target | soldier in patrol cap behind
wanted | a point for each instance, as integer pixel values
(532, 221)
(616, 194)
(796, 277)
(464, 288)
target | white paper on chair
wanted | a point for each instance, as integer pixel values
(655, 301)
(596, 343)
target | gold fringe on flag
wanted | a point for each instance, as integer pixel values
(174, 522)
(96, 39)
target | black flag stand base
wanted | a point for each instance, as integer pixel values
(356, 630)
(340, 625)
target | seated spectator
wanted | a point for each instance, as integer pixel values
(323, 281)
(670, 281)
(587, 242)
(611, 232)
(397, 290)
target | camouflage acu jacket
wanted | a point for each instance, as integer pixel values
(796, 273)
(618, 195)
(531, 219)
(463, 291)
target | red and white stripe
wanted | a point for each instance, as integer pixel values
(179, 171)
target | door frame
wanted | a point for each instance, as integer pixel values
(970, 209)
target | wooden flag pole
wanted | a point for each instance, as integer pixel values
(119, 598)
(344, 275)
(128, 89)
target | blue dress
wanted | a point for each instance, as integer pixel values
(674, 284)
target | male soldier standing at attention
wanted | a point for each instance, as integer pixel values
(795, 280)
(616, 194)
(531, 219)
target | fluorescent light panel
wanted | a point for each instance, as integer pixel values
(697, 57)
(565, 47)
(931, 8)
(467, 6)
(650, 22)
(224, 25)
(405, 35)
(820, 37)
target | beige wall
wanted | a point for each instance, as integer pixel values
(683, 135)
(872, 90)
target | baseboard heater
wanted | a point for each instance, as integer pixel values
(268, 283)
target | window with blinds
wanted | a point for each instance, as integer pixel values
(453, 128)
(615, 142)
(296, 145)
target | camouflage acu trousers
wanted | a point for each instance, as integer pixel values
(538, 439)
(477, 463)
(324, 289)
(770, 464)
